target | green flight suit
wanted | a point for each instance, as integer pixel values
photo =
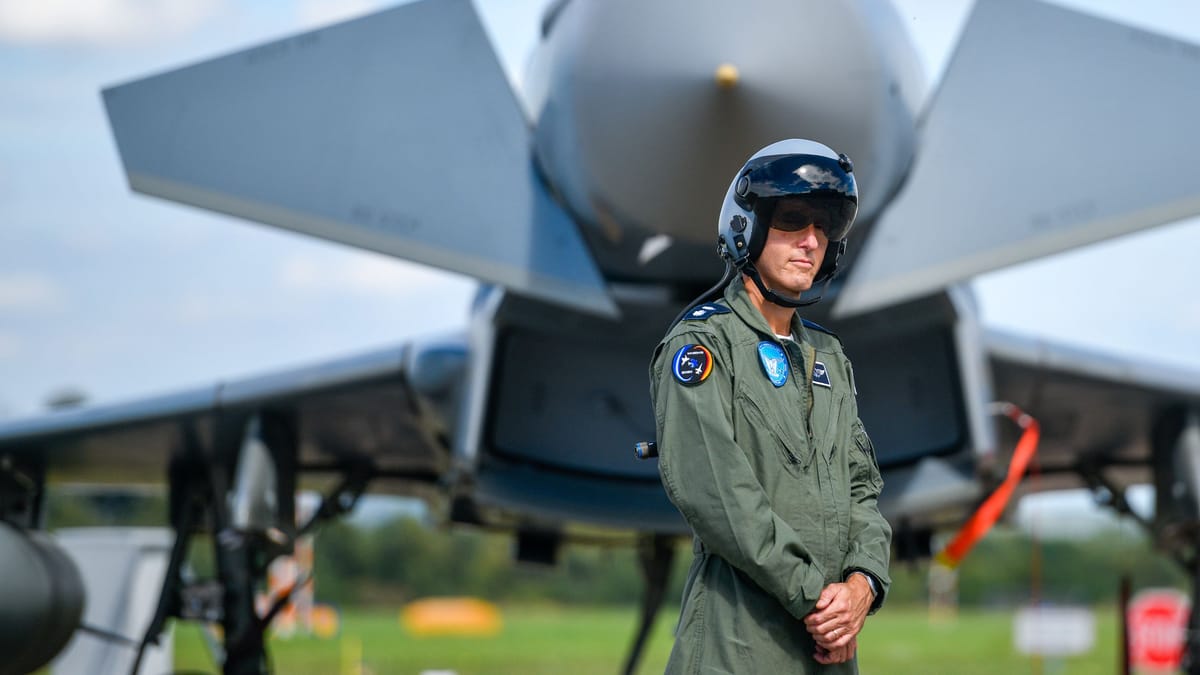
(779, 485)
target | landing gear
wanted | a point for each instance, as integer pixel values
(239, 488)
(656, 552)
(1176, 460)
(1175, 463)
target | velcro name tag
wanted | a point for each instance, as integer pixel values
(821, 375)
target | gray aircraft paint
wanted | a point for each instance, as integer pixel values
(635, 133)
(1037, 152)
(307, 133)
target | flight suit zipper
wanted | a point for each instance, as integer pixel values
(798, 377)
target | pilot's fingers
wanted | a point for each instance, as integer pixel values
(837, 654)
(835, 637)
(832, 600)
(826, 597)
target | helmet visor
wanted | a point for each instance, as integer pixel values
(785, 175)
(832, 214)
(821, 180)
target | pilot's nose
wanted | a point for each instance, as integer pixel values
(808, 238)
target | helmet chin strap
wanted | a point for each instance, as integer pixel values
(751, 271)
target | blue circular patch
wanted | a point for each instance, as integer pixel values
(774, 362)
(692, 364)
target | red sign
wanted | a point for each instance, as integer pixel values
(1157, 626)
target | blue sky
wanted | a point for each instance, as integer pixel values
(124, 296)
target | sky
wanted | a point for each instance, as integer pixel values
(123, 296)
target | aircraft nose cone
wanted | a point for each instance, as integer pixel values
(726, 75)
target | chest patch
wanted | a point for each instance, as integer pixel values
(821, 375)
(692, 364)
(702, 312)
(774, 362)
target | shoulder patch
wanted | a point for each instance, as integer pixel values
(702, 312)
(692, 364)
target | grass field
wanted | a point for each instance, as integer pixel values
(575, 641)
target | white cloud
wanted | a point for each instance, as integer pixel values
(99, 21)
(29, 292)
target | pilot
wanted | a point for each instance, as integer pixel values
(759, 441)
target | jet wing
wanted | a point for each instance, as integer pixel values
(397, 133)
(1096, 410)
(365, 408)
(1051, 129)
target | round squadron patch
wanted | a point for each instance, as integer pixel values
(774, 362)
(692, 364)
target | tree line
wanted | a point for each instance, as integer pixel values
(403, 559)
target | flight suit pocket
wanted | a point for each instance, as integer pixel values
(833, 425)
(835, 443)
(863, 445)
(759, 433)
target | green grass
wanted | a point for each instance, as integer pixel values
(975, 642)
(587, 641)
(534, 641)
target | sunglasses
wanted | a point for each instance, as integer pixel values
(830, 216)
(791, 219)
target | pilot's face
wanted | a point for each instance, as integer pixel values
(795, 247)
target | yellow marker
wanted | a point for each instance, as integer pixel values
(351, 656)
(451, 616)
(727, 75)
(325, 621)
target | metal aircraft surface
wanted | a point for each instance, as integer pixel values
(586, 207)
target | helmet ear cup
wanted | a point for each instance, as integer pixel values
(764, 209)
(830, 263)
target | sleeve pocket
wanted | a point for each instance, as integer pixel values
(863, 442)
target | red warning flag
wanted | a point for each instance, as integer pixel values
(989, 511)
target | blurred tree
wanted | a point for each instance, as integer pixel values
(403, 559)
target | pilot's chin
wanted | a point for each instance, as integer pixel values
(799, 289)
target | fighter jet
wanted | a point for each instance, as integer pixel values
(585, 204)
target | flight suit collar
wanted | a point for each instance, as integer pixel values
(801, 348)
(739, 301)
